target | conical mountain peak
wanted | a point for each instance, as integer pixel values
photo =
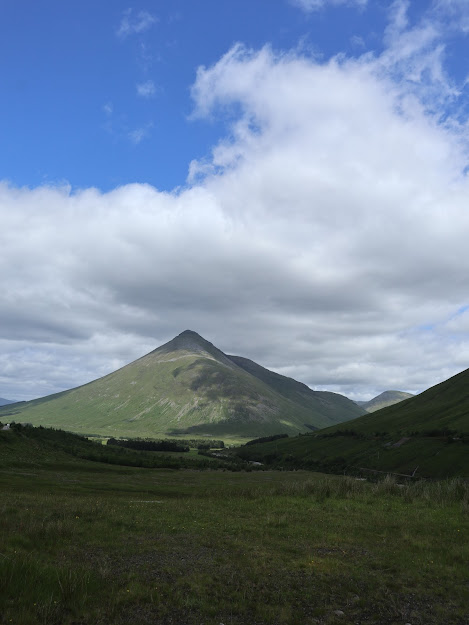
(186, 340)
(192, 342)
(191, 335)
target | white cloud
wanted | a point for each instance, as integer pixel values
(146, 89)
(315, 5)
(139, 134)
(416, 54)
(135, 23)
(325, 237)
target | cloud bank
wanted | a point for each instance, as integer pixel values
(325, 237)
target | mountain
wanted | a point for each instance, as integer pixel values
(188, 386)
(330, 405)
(388, 398)
(427, 433)
(4, 402)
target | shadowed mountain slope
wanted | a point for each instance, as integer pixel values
(428, 433)
(329, 404)
(188, 386)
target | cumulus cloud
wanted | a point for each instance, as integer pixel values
(135, 23)
(315, 5)
(325, 237)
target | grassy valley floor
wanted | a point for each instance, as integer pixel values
(85, 543)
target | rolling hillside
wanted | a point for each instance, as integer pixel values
(428, 434)
(187, 386)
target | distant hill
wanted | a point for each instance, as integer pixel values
(4, 402)
(388, 398)
(428, 433)
(188, 386)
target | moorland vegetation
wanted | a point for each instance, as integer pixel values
(85, 542)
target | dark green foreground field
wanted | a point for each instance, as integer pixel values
(87, 543)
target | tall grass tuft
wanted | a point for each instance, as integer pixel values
(441, 493)
(387, 486)
(49, 589)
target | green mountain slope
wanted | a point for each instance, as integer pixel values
(428, 433)
(388, 398)
(187, 386)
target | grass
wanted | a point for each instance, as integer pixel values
(84, 543)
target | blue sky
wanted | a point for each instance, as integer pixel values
(71, 109)
(286, 177)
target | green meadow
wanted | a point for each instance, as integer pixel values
(90, 543)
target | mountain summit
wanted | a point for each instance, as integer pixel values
(189, 340)
(192, 342)
(189, 387)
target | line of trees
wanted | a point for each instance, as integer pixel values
(142, 445)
